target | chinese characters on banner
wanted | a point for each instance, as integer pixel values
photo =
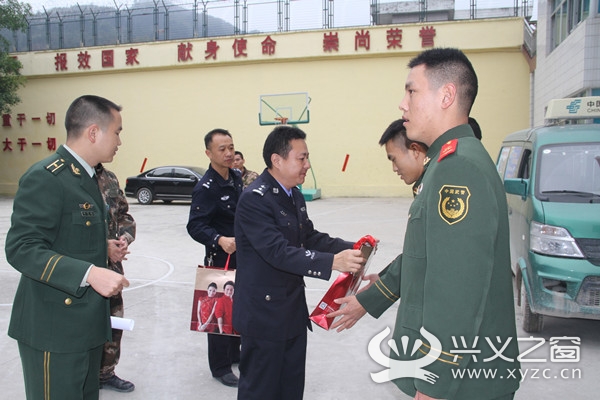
(21, 143)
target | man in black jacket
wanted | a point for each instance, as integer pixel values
(211, 223)
(277, 247)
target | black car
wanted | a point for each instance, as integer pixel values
(166, 183)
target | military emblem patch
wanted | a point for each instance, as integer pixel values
(75, 170)
(454, 203)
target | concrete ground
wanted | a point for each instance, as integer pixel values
(166, 360)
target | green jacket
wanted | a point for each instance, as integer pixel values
(58, 230)
(454, 277)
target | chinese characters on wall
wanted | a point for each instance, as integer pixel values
(239, 48)
(185, 53)
(21, 143)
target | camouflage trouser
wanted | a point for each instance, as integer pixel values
(112, 350)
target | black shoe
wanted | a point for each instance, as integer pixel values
(228, 379)
(117, 384)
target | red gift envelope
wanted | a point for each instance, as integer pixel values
(346, 284)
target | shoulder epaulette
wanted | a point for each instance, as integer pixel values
(207, 183)
(261, 190)
(56, 166)
(448, 148)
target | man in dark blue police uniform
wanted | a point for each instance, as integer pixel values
(211, 223)
(277, 247)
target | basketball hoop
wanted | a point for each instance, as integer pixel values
(283, 109)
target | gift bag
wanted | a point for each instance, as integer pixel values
(213, 300)
(346, 284)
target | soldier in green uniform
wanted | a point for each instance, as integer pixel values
(57, 240)
(408, 157)
(454, 277)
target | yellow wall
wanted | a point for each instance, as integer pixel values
(170, 105)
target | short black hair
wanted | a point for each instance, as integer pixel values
(229, 283)
(212, 284)
(209, 136)
(475, 126)
(279, 142)
(396, 130)
(87, 110)
(239, 153)
(445, 65)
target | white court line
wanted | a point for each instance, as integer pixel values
(171, 269)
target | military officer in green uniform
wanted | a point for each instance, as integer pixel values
(57, 241)
(454, 277)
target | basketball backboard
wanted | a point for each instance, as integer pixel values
(284, 108)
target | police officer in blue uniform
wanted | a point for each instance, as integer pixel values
(210, 222)
(277, 247)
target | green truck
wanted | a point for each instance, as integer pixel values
(551, 176)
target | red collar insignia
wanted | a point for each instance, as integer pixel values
(448, 148)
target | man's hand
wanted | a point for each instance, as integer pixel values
(350, 310)
(227, 244)
(372, 278)
(350, 260)
(106, 282)
(118, 249)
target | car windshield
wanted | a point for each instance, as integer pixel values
(570, 173)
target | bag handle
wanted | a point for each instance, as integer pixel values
(227, 262)
(368, 239)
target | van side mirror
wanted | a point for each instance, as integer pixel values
(516, 186)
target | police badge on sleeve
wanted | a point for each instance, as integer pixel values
(454, 203)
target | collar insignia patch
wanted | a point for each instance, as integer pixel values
(417, 191)
(75, 169)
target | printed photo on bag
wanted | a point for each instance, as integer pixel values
(213, 301)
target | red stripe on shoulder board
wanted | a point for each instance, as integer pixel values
(448, 148)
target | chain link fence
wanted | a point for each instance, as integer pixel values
(159, 20)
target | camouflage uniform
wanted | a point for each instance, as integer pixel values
(248, 177)
(120, 223)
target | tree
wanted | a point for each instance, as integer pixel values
(13, 16)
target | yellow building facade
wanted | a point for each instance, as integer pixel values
(173, 92)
